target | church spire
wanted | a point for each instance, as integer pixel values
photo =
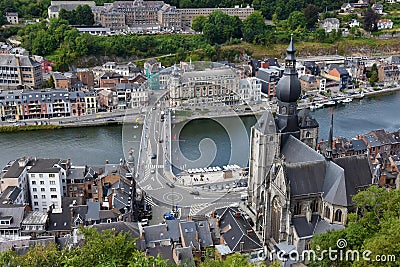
(328, 154)
(290, 60)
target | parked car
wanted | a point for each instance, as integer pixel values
(153, 156)
(194, 192)
(170, 184)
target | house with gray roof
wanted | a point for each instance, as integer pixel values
(11, 217)
(34, 223)
(330, 24)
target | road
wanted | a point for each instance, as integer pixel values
(153, 174)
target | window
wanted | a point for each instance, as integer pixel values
(35, 196)
(35, 203)
(43, 196)
(41, 175)
(34, 189)
(42, 189)
(33, 182)
(42, 182)
(32, 175)
(52, 175)
(44, 203)
(52, 182)
(338, 216)
(53, 189)
(53, 196)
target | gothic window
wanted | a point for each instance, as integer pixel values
(308, 135)
(314, 206)
(283, 110)
(275, 219)
(327, 213)
(338, 216)
(291, 110)
(297, 208)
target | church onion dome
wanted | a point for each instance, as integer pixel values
(289, 88)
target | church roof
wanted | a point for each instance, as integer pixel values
(334, 185)
(303, 227)
(296, 151)
(266, 124)
(306, 120)
(357, 174)
(306, 178)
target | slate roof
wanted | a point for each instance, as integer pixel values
(234, 230)
(306, 120)
(44, 166)
(341, 70)
(189, 234)
(184, 256)
(126, 227)
(62, 221)
(14, 171)
(93, 211)
(16, 212)
(303, 227)
(324, 226)
(297, 152)
(164, 251)
(10, 61)
(173, 229)
(306, 178)
(155, 233)
(357, 173)
(204, 233)
(266, 123)
(10, 194)
(359, 145)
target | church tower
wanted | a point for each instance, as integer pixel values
(288, 92)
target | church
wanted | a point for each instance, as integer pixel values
(294, 191)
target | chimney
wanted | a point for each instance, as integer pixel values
(238, 214)
(106, 161)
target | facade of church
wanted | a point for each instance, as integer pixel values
(294, 191)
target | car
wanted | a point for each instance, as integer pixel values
(213, 188)
(154, 108)
(244, 184)
(227, 186)
(234, 185)
(220, 187)
(144, 222)
(152, 171)
(170, 184)
(194, 192)
(160, 140)
(153, 156)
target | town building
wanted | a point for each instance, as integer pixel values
(341, 74)
(12, 17)
(86, 77)
(384, 24)
(330, 24)
(219, 86)
(169, 17)
(378, 8)
(47, 182)
(291, 185)
(16, 70)
(90, 102)
(347, 7)
(78, 103)
(55, 6)
(108, 99)
(388, 73)
(250, 90)
(11, 217)
(188, 14)
(14, 175)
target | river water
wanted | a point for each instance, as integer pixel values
(208, 142)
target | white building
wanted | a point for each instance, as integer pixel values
(12, 17)
(354, 23)
(14, 174)
(330, 24)
(47, 183)
(218, 86)
(250, 90)
(384, 24)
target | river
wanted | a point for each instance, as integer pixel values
(221, 142)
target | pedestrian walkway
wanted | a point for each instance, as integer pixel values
(149, 201)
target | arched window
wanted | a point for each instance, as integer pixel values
(327, 213)
(308, 135)
(338, 216)
(283, 110)
(276, 219)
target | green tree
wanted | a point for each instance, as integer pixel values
(221, 27)
(373, 75)
(50, 82)
(297, 21)
(198, 23)
(370, 19)
(253, 25)
(311, 15)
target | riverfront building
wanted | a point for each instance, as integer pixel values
(17, 70)
(294, 191)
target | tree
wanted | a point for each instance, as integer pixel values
(370, 19)
(198, 23)
(297, 21)
(373, 76)
(50, 82)
(375, 227)
(221, 27)
(253, 25)
(311, 15)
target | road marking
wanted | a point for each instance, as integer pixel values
(194, 209)
(149, 201)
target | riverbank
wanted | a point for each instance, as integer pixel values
(12, 129)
